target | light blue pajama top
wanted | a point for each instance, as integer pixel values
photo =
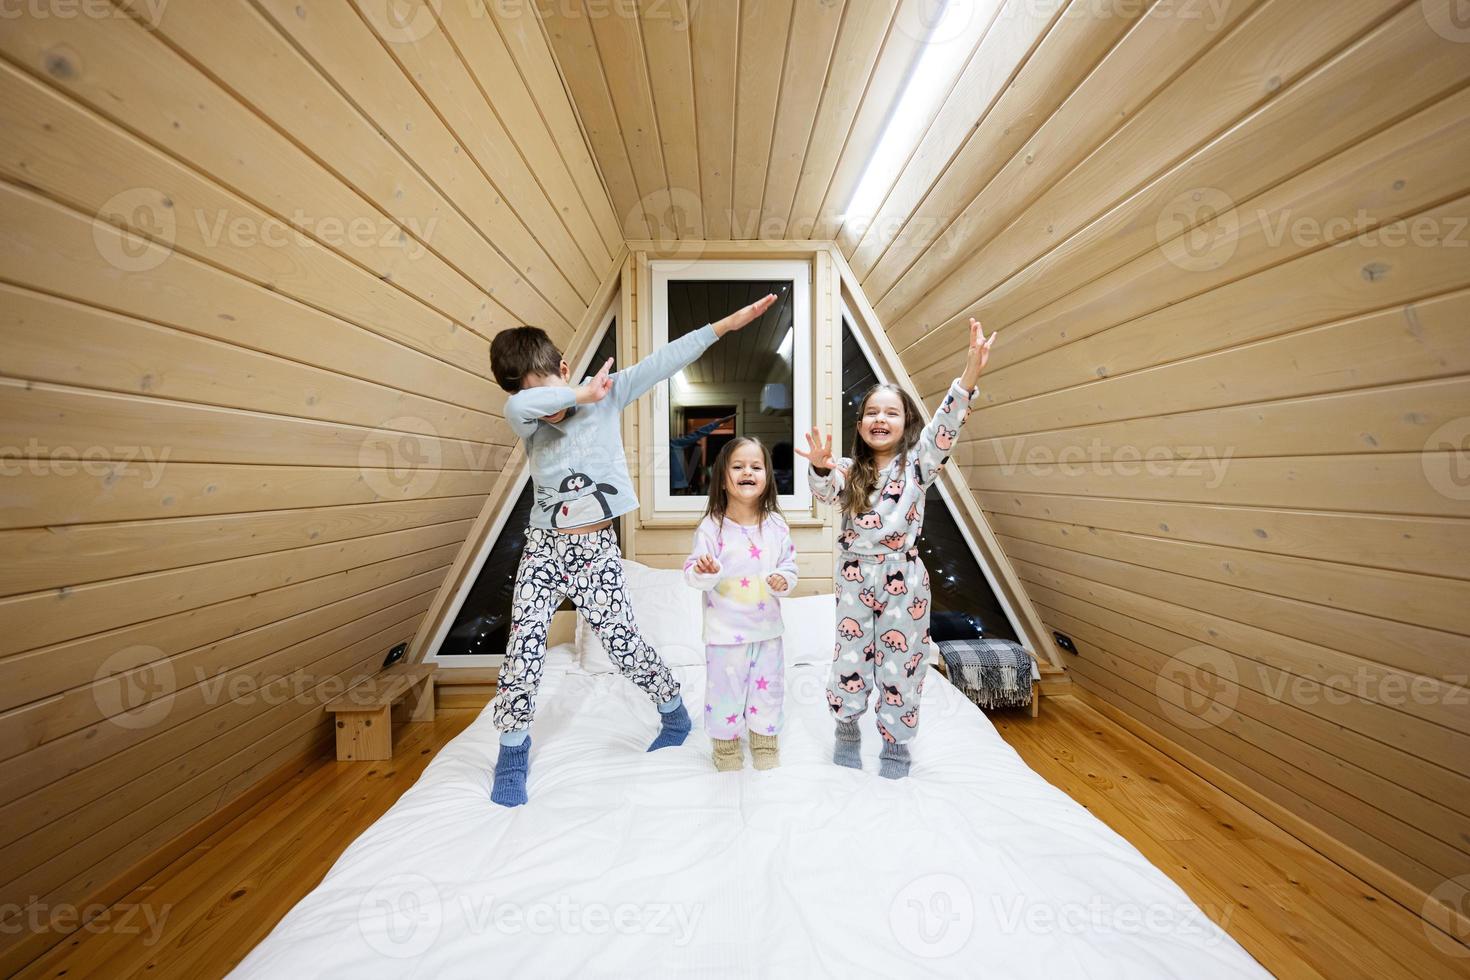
(578, 464)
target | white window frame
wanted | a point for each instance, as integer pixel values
(799, 272)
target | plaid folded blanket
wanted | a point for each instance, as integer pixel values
(991, 673)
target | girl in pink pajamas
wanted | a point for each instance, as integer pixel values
(744, 561)
(882, 586)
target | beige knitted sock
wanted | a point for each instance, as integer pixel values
(765, 751)
(728, 755)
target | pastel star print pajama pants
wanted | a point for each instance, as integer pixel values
(882, 641)
(587, 569)
(744, 688)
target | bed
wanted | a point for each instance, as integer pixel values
(627, 863)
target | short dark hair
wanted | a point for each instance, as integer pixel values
(520, 351)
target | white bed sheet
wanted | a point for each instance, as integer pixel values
(627, 863)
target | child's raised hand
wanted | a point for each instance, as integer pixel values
(776, 582)
(597, 387)
(707, 565)
(744, 315)
(819, 452)
(979, 353)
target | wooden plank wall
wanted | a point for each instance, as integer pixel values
(251, 256)
(1224, 435)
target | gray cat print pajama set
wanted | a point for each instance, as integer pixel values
(882, 587)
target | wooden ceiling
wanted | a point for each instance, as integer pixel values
(737, 119)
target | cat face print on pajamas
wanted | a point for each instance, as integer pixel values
(881, 647)
(882, 587)
(894, 513)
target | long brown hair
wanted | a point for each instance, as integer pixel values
(862, 476)
(719, 498)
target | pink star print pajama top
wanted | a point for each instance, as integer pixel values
(745, 665)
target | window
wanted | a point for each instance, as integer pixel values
(756, 382)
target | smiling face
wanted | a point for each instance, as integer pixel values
(882, 422)
(745, 474)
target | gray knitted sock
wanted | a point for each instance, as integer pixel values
(849, 745)
(893, 761)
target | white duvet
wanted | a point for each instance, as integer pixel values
(627, 864)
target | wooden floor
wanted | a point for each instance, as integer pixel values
(1297, 913)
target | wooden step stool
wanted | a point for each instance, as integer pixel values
(364, 715)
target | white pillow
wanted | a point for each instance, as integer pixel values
(669, 613)
(810, 623)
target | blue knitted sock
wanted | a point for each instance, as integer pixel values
(675, 724)
(510, 774)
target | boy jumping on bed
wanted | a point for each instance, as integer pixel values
(574, 443)
(882, 586)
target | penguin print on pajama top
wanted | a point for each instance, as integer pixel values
(577, 501)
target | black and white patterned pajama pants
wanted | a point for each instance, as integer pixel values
(586, 568)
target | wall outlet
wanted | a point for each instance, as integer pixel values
(1065, 642)
(395, 655)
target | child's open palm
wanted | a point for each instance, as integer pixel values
(818, 450)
